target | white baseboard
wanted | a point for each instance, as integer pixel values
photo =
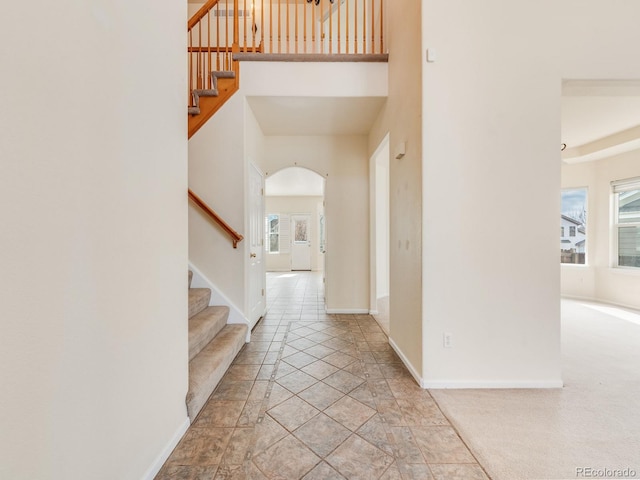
(600, 300)
(217, 297)
(407, 363)
(153, 470)
(443, 384)
(348, 311)
(373, 312)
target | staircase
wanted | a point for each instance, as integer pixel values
(206, 102)
(213, 344)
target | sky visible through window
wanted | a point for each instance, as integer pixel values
(574, 203)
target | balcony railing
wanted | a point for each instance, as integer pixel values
(221, 28)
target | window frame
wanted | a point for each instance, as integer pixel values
(586, 222)
(618, 187)
(270, 233)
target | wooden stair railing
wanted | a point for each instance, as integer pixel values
(220, 29)
(235, 236)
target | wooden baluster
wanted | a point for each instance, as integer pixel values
(270, 26)
(226, 35)
(339, 26)
(244, 26)
(200, 54)
(209, 82)
(262, 25)
(304, 26)
(295, 28)
(236, 25)
(364, 26)
(279, 27)
(331, 27)
(355, 27)
(381, 26)
(313, 27)
(287, 26)
(347, 25)
(190, 64)
(321, 26)
(254, 26)
(373, 27)
(218, 36)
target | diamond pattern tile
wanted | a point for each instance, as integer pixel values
(357, 459)
(293, 413)
(318, 397)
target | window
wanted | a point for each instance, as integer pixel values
(573, 220)
(273, 233)
(627, 222)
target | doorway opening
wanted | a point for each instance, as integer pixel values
(379, 218)
(295, 234)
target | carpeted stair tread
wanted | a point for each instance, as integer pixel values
(198, 300)
(190, 277)
(193, 111)
(208, 367)
(224, 74)
(206, 92)
(204, 326)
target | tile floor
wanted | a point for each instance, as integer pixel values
(318, 397)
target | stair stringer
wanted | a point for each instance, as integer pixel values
(236, 316)
(209, 105)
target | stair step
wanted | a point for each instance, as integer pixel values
(198, 300)
(207, 92)
(204, 326)
(193, 111)
(209, 366)
(190, 277)
(224, 73)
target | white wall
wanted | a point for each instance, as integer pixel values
(598, 280)
(217, 169)
(401, 119)
(491, 109)
(93, 298)
(281, 262)
(343, 161)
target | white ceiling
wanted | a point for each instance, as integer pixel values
(294, 181)
(585, 119)
(316, 115)
(599, 119)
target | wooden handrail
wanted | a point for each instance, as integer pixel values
(201, 13)
(235, 236)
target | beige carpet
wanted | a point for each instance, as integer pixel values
(592, 423)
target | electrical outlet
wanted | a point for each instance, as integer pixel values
(446, 340)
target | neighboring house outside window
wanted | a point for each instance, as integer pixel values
(573, 226)
(627, 222)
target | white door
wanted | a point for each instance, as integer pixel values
(301, 242)
(257, 276)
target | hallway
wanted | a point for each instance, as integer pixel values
(318, 397)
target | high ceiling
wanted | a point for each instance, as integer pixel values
(599, 119)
